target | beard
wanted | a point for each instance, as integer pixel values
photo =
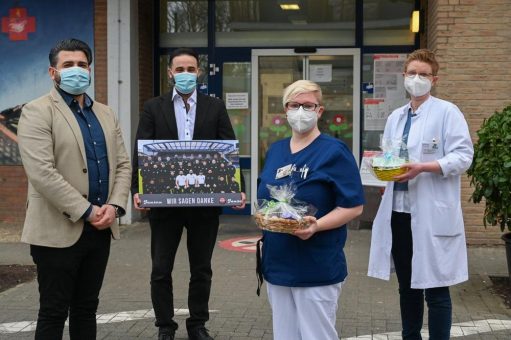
(56, 79)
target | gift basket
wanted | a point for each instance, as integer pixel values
(386, 164)
(283, 214)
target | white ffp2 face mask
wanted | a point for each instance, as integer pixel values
(302, 121)
(416, 86)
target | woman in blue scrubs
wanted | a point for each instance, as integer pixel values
(305, 270)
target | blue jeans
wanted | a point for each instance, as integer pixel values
(412, 300)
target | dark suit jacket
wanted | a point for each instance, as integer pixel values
(158, 121)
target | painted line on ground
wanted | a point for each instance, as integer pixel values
(28, 326)
(457, 330)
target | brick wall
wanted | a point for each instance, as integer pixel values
(472, 40)
(14, 196)
(100, 52)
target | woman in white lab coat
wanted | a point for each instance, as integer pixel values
(419, 229)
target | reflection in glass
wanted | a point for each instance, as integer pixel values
(236, 80)
(275, 74)
(229, 12)
(245, 15)
(317, 22)
(387, 22)
(370, 138)
(183, 23)
(183, 16)
(337, 88)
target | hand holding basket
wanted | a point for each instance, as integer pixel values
(284, 214)
(388, 164)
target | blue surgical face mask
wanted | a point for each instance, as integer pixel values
(74, 80)
(185, 82)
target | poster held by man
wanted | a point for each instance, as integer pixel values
(194, 173)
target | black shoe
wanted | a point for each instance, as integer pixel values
(199, 333)
(165, 333)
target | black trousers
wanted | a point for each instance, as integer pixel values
(69, 283)
(411, 300)
(166, 230)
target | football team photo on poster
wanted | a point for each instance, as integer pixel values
(176, 173)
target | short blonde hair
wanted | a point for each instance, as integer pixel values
(299, 87)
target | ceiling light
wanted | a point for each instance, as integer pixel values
(415, 22)
(290, 7)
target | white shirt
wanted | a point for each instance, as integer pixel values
(191, 178)
(181, 180)
(185, 121)
(201, 179)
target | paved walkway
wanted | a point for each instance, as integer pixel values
(368, 309)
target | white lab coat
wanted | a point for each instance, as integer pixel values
(439, 249)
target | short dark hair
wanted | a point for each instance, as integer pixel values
(70, 45)
(183, 51)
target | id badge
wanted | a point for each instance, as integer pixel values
(429, 148)
(284, 171)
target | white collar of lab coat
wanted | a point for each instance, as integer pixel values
(421, 108)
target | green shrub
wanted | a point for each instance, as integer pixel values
(490, 172)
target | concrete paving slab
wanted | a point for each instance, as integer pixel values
(368, 309)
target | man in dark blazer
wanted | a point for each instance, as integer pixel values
(182, 114)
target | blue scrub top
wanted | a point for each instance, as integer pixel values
(326, 175)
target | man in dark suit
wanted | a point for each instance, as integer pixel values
(182, 114)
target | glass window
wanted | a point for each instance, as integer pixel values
(183, 23)
(337, 118)
(236, 94)
(370, 138)
(387, 22)
(275, 74)
(265, 23)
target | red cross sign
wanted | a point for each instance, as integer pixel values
(17, 25)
